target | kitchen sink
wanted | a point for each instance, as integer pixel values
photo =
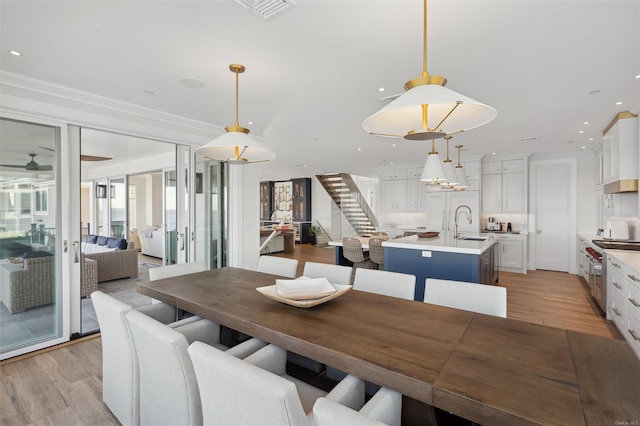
(474, 238)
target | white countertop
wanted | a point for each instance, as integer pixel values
(442, 244)
(630, 258)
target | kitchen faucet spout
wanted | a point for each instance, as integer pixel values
(457, 217)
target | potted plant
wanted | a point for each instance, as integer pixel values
(313, 230)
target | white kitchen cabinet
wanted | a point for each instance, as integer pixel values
(393, 195)
(632, 314)
(416, 195)
(616, 291)
(620, 149)
(511, 256)
(441, 207)
(583, 264)
(393, 174)
(472, 172)
(504, 186)
(623, 293)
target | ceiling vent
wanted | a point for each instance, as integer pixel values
(267, 9)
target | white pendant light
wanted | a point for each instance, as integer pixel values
(433, 172)
(463, 182)
(449, 172)
(236, 146)
(428, 110)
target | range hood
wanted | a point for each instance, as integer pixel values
(628, 185)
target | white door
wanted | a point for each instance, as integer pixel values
(553, 196)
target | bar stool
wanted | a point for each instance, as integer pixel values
(376, 252)
(352, 251)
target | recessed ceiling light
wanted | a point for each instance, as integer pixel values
(493, 153)
(586, 122)
(15, 53)
(393, 144)
(581, 131)
(584, 147)
(637, 76)
(359, 149)
(590, 139)
(381, 89)
(191, 83)
(619, 103)
(250, 122)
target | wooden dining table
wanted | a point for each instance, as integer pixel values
(485, 369)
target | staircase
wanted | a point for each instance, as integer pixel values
(345, 193)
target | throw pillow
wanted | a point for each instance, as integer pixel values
(102, 240)
(119, 243)
(92, 238)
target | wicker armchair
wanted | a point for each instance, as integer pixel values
(29, 285)
(376, 252)
(352, 251)
(89, 282)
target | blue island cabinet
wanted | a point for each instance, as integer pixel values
(438, 264)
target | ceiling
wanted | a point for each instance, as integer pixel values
(314, 72)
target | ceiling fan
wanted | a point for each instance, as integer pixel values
(84, 157)
(31, 165)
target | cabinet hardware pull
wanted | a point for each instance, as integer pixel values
(633, 334)
(616, 265)
(636, 304)
(615, 284)
(633, 277)
(616, 312)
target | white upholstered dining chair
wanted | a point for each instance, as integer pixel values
(178, 269)
(394, 284)
(169, 392)
(278, 266)
(384, 408)
(256, 390)
(335, 274)
(120, 384)
(482, 298)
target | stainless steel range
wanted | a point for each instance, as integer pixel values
(597, 266)
(597, 282)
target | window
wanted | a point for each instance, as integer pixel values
(41, 195)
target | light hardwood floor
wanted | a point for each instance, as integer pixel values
(63, 385)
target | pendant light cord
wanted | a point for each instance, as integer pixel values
(237, 124)
(424, 52)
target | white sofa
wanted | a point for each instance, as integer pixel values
(152, 242)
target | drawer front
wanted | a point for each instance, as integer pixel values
(633, 298)
(618, 305)
(632, 331)
(513, 166)
(618, 279)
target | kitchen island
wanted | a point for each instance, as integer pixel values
(444, 257)
(474, 259)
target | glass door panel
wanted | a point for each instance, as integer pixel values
(30, 249)
(209, 244)
(170, 223)
(118, 201)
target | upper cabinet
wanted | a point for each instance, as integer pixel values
(504, 186)
(620, 154)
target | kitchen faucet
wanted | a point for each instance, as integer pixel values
(455, 221)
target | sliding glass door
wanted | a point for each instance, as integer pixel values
(34, 244)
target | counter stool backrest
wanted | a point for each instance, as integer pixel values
(352, 249)
(481, 298)
(376, 251)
